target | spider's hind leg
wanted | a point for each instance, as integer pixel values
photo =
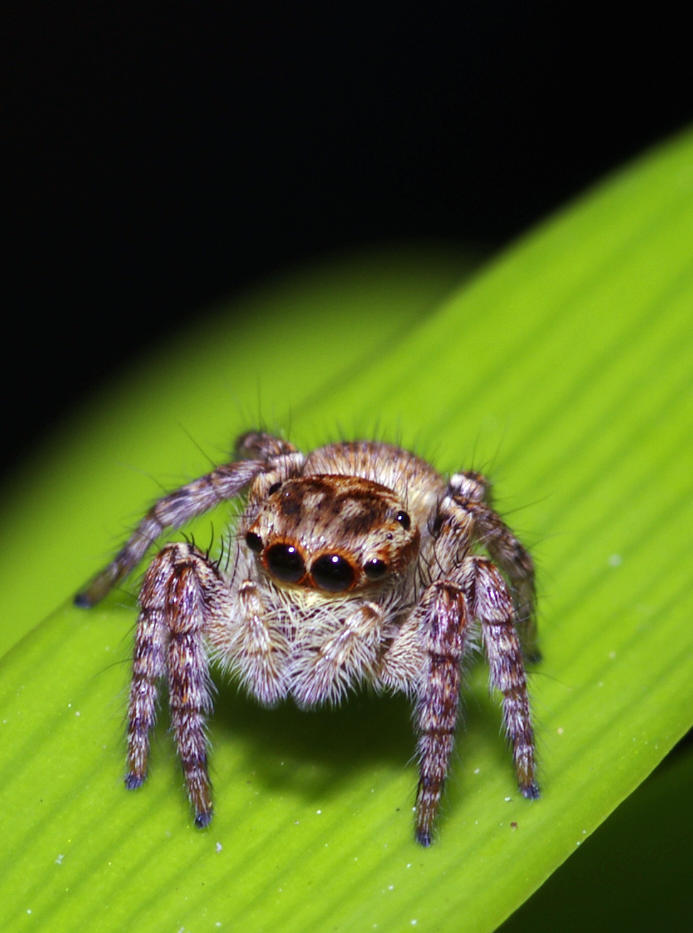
(472, 492)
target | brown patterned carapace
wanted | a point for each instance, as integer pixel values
(334, 533)
(356, 563)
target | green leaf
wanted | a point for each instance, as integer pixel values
(638, 863)
(563, 370)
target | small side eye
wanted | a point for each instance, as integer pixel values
(375, 568)
(404, 520)
(274, 487)
(332, 572)
(254, 542)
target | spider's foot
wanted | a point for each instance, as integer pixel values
(203, 819)
(530, 791)
(99, 587)
(424, 837)
(133, 781)
(83, 601)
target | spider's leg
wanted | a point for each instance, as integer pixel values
(180, 593)
(471, 491)
(492, 605)
(258, 445)
(444, 627)
(189, 501)
(171, 511)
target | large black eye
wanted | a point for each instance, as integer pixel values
(404, 520)
(254, 542)
(332, 572)
(375, 568)
(285, 563)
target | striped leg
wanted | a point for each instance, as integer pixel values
(472, 493)
(179, 588)
(444, 630)
(172, 511)
(148, 667)
(493, 606)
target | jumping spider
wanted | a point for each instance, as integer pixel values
(354, 564)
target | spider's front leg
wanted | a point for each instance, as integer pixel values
(445, 627)
(492, 605)
(181, 593)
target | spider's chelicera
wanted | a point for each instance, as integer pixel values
(357, 563)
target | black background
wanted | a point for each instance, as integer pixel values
(164, 155)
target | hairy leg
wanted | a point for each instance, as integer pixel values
(260, 454)
(259, 445)
(180, 590)
(471, 491)
(492, 605)
(171, 511)
(444, 629)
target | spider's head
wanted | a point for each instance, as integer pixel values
(332, 533)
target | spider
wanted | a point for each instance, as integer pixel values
(355, 564)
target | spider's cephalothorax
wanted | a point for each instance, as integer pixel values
(354, 564)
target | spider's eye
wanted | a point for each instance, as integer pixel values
(254, 542)
(375, 568)
(404, 520)
(332, 572)
(285, 563)
(274, 487)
